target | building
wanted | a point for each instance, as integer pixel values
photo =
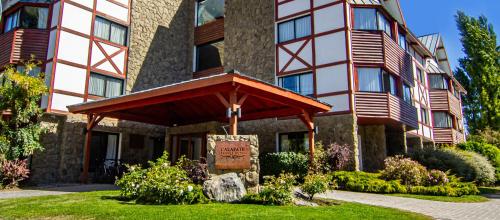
(391, 91)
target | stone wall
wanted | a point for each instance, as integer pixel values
(161, 43)
(62, 159)
(249, 38)
(373, 144)
(249, 177)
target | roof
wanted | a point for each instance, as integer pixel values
(431, 42)
(366, 2)
(199, 100)
(433, 68)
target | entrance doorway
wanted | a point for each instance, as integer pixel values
(104, 155)
(192, 146)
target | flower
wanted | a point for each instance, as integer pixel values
(190, 188)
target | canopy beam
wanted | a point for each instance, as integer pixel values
(92, 121)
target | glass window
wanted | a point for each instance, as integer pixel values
(209, 10)
(301, 83)
(383, 24)
(105, 86)
(210, 55)
(294, 142)
(12, 21)
(369, 80)
(407, 97)
(365, 19)
(442, 120)
(293, 29)
(402, 41)
(110, 31)
(389, 83)
(421, 75)
(425, 116)
(437, 81)
(27, 17)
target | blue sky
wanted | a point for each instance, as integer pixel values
(431, 16)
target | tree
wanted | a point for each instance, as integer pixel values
(479, 72)
(20, 94)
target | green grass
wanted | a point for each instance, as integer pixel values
(489, 190)
(461, 199)
(103, 205)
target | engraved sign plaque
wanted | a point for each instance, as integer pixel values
(232, 155)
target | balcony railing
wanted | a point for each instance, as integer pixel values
(386, 107)
(20, 44)
(443, 100)
(448, 136)
(377, 49)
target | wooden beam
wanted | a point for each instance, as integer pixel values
(233, 121)
(222, 100)
(307, 118)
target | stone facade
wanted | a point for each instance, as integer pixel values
(373, 145)
(249, 38)
(161, 43)
(250, 177)
(64, 140)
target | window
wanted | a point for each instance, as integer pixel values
(294, 142)
(402, 41)
(421, 75)
(371, 19)
(210, 55)
(437, 81)
(27, 17)
(407, 93)
(425, 116)
(209, 10)
(301, 83)
(105, 86)
(293, 29)
(442, 120)
(456, 92)
(34, 72)
(104, 150)
(110, 31)
(376, 80)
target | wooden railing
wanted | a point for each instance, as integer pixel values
(443, 100)
(448, 136)
(385, 106)
(20, 44)
(209, 32)
(375, 48)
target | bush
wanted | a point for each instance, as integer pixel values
(437, 178)
(332, 158)
(12, 172)
(284, 162)
(371, 183)
(488, 150)
(410, 172)
(365, 182)
(488, 136)
(467, 165)
(160, 184)
(275, 191)
(314, 184)
(196, 170)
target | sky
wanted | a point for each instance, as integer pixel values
(432, 16)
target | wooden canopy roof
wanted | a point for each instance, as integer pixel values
(203, 100)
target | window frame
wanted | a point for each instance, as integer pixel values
(111, 23)
(443, 80)
(424, 114)
(400, 37)
(378, 13)
(406, 87)
(294, 21)
(197, 18)
(421, 75)
(197, 55)
(106, 78)
(448, 117)
(383, 80)
(19, 12)
(280, 141)
(280, 82)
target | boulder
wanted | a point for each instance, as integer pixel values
(224, 188)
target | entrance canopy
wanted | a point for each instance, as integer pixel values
(202, 100)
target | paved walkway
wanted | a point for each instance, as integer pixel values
(54, 190)
(439, 210)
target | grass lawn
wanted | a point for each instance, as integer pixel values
(461, 199)
(103, 205)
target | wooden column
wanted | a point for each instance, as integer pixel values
(234, 103)
(92, 121)
(307, 118)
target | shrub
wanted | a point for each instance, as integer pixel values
(161, 183)
(365, 182)
(437, 177)
(12, 172)
(410, 172)
(488, 150)
(275, 191)
(285, 162)
(314, 184)
(467, 165)
(488, 136)
(196, 170)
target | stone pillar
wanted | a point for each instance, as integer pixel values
(250, 177)
(414, 144)
(396, 140)
(373, 145)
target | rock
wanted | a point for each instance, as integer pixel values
(224, 188)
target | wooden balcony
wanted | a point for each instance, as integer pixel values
(384, 108)
(377, 49)
(448, 136)
(443, 100)
(20, 44)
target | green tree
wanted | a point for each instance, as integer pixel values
(479, 72)
(20, 94)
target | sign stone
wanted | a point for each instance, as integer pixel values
(232, 155)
